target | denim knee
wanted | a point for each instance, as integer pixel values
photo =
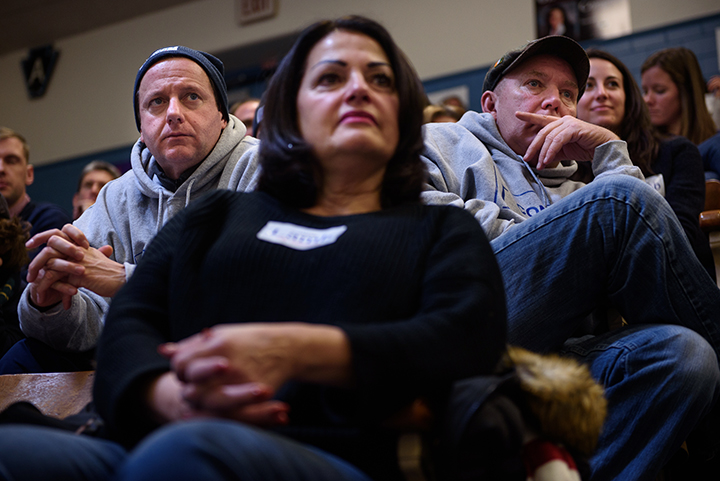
(620, 186)
(673, 355)
(228, 450)
(693, 352)
(660, 380)
(693, 362)
(182, 448)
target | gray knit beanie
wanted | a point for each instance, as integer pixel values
(212, 66)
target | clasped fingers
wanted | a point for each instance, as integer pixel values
(246, 402)
(224, 397)
(203, 370)
(42, 237)
(57, 248)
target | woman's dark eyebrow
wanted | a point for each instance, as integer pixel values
(342, 63)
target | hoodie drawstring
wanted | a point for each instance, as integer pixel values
(160, 217)
(546, 197)
(159, 213)
(189, 190)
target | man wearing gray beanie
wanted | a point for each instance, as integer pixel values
(189, 144)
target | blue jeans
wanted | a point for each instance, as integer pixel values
(33, 356)
(226, 450)
(617, 242)
(193, 450)
(660, 380)
(32, 453)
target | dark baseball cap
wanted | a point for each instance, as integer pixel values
(563, 47)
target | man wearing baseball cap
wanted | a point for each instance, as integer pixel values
(187, 141)
(567, 250)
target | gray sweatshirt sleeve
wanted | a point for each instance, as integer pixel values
(612, 158)
(438, 192)
(76, 329)
(461, 172)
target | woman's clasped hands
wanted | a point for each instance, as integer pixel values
(228, 371)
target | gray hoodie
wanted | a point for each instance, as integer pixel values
(127, 214)
(472, 167)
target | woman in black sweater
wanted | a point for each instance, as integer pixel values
(319, 306)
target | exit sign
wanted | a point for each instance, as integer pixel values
(247, 11)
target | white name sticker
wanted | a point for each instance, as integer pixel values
(299, 237)
(657, 182)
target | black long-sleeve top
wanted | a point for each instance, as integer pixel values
(681, 166)
(415, 288)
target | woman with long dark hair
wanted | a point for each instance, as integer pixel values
(671, 164)
(273, 334)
